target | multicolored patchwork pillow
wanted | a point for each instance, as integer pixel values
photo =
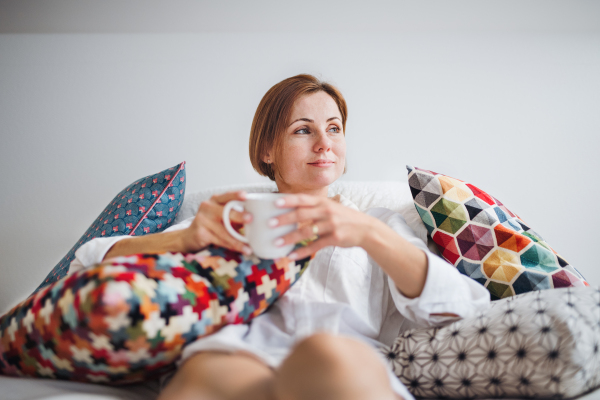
(128, 319)
(476, 233)
(148, 205)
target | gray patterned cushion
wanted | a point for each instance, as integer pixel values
(539, 344)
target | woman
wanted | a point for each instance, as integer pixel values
(371, 278)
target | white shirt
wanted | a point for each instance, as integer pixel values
(343, 291)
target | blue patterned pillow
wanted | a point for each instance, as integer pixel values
(148, 205)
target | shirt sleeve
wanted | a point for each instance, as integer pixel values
(93, 252)
(446, 290)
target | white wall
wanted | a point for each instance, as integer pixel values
(82, 115)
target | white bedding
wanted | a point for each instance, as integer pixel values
(47, 389)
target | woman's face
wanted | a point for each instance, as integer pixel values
(313, 152)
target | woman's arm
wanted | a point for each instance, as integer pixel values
(206, 228)
(403, 262)
(150, 244)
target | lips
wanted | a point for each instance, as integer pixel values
(322, 163)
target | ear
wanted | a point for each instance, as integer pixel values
(267, 158)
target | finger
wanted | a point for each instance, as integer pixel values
(225, 197)
(231, 242)
(221, 237)
(312, 248)
(308, 232)
(215, 210)
(236, 216)
(221, 243)
(298, 215)
(298, 200)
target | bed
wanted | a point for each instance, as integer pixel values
(392, 195)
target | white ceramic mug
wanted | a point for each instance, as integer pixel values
(258, 234)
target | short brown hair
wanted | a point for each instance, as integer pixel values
(273, 113)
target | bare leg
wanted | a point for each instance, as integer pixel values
(321, 367)
(220, 376)
(330, 367)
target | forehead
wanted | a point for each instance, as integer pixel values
(315, 105)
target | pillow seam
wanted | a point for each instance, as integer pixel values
(157, 199)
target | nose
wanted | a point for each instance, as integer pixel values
(323, 143)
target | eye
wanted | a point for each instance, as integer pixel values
(302, 131)
(335, 129)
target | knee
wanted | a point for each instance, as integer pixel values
(214, 375)
(334, 367)
(340, 353)
(333, 353)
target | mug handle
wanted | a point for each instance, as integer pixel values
(238, 206)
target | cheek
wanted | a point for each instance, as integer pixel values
(291, 160)
(340, 149)
(293, 155)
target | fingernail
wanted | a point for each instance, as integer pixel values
(272, 222)
(247, 250)
(293, 256)
(242, 194)
(280, 202)
(247, 217)
(278, 242)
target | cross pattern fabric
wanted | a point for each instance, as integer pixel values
(148, 205)
(476, 233)
(128, 319)
(543, 344)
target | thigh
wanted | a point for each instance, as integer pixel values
(220, 376)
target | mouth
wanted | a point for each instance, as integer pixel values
(322, 163)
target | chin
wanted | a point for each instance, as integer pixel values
(326, 179)
(310, 181)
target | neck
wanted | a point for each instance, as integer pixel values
(320, 192)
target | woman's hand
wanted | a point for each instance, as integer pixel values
(207, 227)
(342, 226)
(336, 225)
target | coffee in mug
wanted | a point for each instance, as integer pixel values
(257, 233)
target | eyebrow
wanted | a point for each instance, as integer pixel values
(310, 120)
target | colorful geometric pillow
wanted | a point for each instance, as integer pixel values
(476, 233)
(128, 319)
(148, 205)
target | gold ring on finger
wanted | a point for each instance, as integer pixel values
(315, 231)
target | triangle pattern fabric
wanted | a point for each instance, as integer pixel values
(426, 218)
(472, 270)
(529, 281)
(474, 206)
(501, 215)
(448, 215)
(484, 239)
(509, 239)
(540, 259)
(419, 180)
(486, 217)
(481, 194)
(425, 199)
(447, 246)
(561, 279)
(475, 242)
(499, 290)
